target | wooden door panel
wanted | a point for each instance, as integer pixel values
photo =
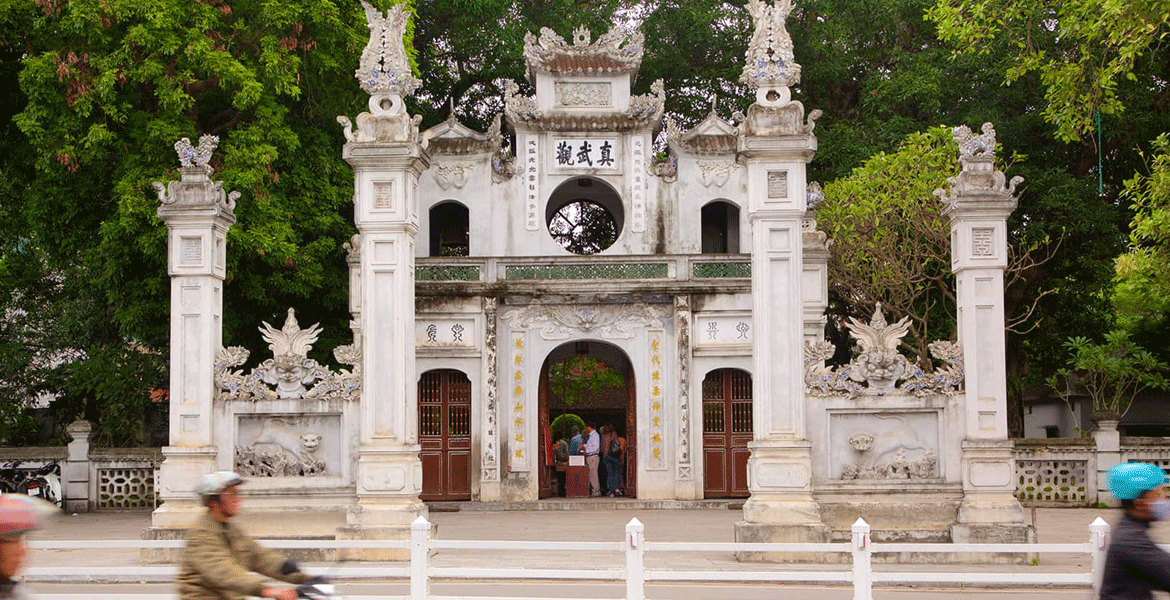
(444, 419)
(727, 430)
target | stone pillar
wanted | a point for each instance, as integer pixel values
(776, 144)
(353, 258)
(685, 487)
(76, 475)
(490, 489)
(978, 204)
(815, 284)
(387, 159)
(1108, 440)
(198, 214)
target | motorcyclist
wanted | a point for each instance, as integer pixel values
(19, 514)
(220, 561)
(1134, 564)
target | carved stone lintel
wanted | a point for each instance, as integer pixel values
(558, 322)
(716, 172)
(452, 175)
(614, 51)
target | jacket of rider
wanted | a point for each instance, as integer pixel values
(11, 589)
(221, 562)
(1134, 564)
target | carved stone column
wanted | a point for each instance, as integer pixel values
(815, 285)
(387, 159)
(685, 486)
(489, 485)
(353, 258)
(198, 214)
(978, 204)
(776, 144)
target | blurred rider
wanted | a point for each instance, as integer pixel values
(19, 514)
(220, 561)
(1135, 565)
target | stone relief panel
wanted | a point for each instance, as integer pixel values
(723, 330)
(582, 94)
(558, 322)
(879, 366)
(453, 176)
(289, 373)
(444, 332)
(297, 445)
(716, 172)
(901, 445)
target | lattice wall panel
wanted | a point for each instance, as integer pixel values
(125, 488)
(1051, 482)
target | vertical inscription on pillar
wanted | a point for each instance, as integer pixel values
(490, 469)
(638, 184)
(518, 445)
(531, 184)
(682, 320)
(192, 248)
(778, 184)
(384, 195)
(657, 416)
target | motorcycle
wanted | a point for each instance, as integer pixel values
(42, 482)
(318, 588)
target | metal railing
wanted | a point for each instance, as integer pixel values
(420, 572)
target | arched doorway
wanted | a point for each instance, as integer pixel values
(727, 429)
(444, 432)
(607, 397)
(720, 228)
(585, 215)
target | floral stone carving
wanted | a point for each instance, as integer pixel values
(289, 372)
(879, 366)
(383, 68)
(281, 449)
(770, 61)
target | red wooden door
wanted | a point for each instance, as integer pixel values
(727, 429)
(444, 431)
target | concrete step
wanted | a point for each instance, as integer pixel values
(586, 504)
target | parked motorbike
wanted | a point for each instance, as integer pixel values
(43, 481)
(318, 588)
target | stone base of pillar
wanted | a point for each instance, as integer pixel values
(687, 490)
(992, 518)
(811, 533)
(489, 491)
(178, 476)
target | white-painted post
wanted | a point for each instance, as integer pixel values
(1099, 538)
(635, 576)
(420, 552)
(862, 565)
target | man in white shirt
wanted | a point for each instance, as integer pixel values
(592, 460)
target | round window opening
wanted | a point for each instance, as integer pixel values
(583, 227)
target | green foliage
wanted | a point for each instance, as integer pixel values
(1082, 50)
(1142, 294)
(891, 243)
(563, 425)
(1112, 373)
(114, 383)
(579, 378)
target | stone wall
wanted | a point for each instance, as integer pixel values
(1064, 471)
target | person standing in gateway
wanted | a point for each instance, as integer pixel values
(591, 448)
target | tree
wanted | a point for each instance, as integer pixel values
(1112, 373)
(1082, 50)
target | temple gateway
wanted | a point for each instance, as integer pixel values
(698, 276)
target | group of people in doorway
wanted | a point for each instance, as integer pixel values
(605, 454)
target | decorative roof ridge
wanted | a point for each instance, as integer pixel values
(622, 48)
(719, 132)
(461, 138)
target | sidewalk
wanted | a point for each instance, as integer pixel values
(1053, 526)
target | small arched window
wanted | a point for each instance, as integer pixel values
(450, 230)
(720, 228)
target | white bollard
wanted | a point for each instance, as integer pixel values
(1099, 540)
(635, 576)
(420, 554)
(862, 566)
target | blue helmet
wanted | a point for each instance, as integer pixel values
(1129, 480)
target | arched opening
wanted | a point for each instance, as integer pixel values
(450, 229)
(727, 429)
(585, 215)
(592, 383)
(444, 432)
(720, 228)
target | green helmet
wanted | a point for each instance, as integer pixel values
(1129, 480)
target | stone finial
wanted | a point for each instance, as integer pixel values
(290, 340)
(975, 145)
(195, 190)
(197, 156)
(978, 180)
(770, 60)
(383, 68)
